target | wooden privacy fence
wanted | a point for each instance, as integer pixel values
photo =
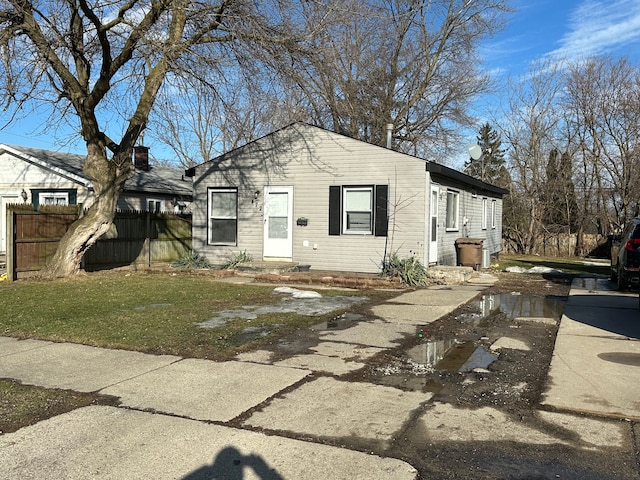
(136, 238)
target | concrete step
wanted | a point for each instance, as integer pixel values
(275, 268)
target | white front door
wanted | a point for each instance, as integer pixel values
(278, 223)
(4, 201)
(433, 225)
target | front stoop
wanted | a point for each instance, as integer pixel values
(270, 268)
(449, 275)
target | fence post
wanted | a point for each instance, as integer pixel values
(10, 245)
(147, 241)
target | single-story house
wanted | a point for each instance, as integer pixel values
(39, 177)
(313, 197)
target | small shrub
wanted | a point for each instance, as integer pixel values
(409, 270)
(191, 260)
(241, 257)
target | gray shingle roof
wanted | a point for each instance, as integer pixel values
(158, 179)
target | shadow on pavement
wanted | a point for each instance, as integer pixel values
(229, 464)
(618, 314)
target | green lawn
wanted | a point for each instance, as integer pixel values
(154, 313)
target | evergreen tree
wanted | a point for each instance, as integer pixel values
(490, 167)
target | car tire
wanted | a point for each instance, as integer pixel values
(623, 283)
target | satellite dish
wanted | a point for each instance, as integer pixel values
(475, 151)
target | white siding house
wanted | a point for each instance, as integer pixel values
(47, 177)
(310, 196)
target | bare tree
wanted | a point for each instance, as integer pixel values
(104, 62)
(532, 126)
(219, 110)
(603, 99)
(411, 63)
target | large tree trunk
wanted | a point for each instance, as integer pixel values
(108, 178)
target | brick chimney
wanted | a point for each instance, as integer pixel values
(141, 158)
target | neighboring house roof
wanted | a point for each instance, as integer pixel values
(434, 168)
(157, 179)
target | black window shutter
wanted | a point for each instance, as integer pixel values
(382, 218)
(334, 210)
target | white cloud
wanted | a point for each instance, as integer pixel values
(600, 26)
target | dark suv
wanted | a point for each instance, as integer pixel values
(625, 256)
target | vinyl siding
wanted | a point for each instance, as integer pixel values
(17, 174)
(470, 207)
(311, 160)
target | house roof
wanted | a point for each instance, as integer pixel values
(434, 168)
(158, 179)
(459, 177)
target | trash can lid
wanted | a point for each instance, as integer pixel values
(473, 241)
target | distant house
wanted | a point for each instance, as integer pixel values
(307, 195)
(39, 177)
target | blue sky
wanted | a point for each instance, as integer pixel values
(538, 29)
(562, 30)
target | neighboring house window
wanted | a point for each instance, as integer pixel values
(154, 206)
(485, 212)
(453, 208)
(358, 209)
(223, 216)
(493, 213)
(53, 198)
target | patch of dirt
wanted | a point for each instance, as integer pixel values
(514, 381)
(23, 405)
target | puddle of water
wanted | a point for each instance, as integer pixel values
(517, 305)
(416, 384)
(253, 333)
(480, 358)
(299, 304)
(341, 322)
(432, 352)
(451, 355)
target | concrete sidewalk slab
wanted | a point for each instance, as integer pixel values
(425, 306)
(327, 407)
(434, 296)
(78, 367)
(321, 363)
(374, 334)
(205, 390)
(332, 357)
(444, 422)
(594, 372)
(600, 321)
(10, 346)
(411, 314)
(115, 444)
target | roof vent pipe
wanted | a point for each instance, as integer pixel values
(389, 134)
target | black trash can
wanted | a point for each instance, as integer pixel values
(469, 252)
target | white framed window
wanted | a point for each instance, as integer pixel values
(453, 210)
(223, 216)
(485, 213)
(53, 198)
(154, 206)
(494, 205)
(357, 214)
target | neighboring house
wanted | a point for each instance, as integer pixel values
(39, 177)
(310, 196)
